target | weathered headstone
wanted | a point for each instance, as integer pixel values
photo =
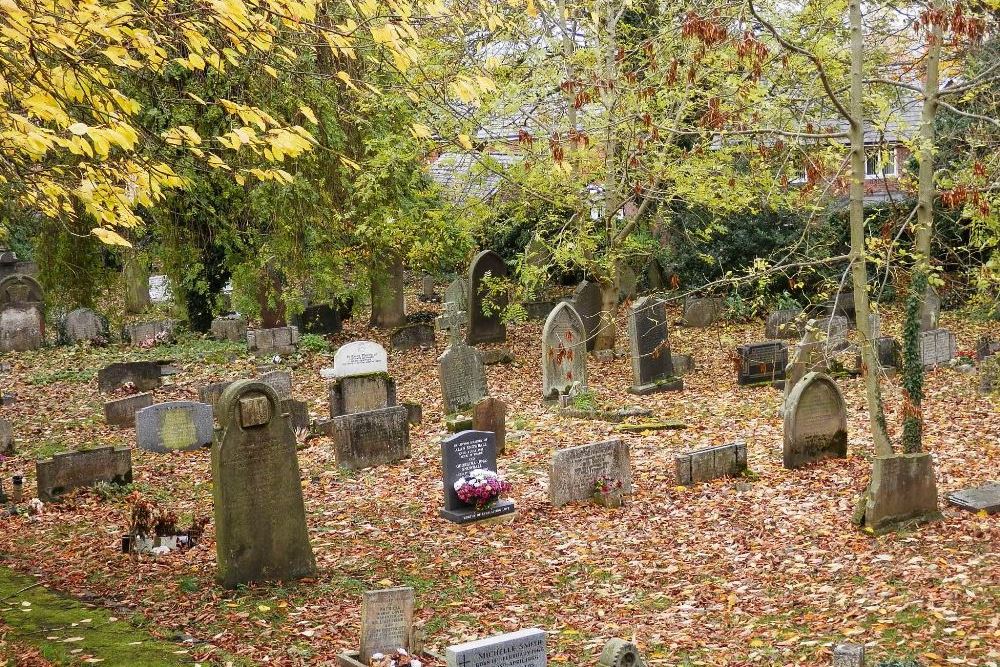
(414, 412)
(121, 412)
(22, 328)
(427, 293)
(362, 357)
(361, 393)
(985, 498)
(147, 334)
(278, 340)
(83, 325)
(702, 312)
(903, 489)
(652, 363)
(458, 294)
(260, 525)
(849, 655)
(524, 648)
(588, 303)
(937, 347)
(815, 422)
(987, 346)
(297, 412)
(783, 324)
(564, 352)
(888, 352)
(486, 327)
(842, 305)
(410, 336)
(574, 470)
(386, 621)
(762, 362)
(6, 438)
(989, 375)
(620, 653)
(490, 414)
(373, 438)
(211, 393)
(832, 330)
(231, 327)
(682, 363)
(145, 375)
(703, 465)
(280, 382)
(930, 314)
(626, 282)
(176, 426)
(321, 319)
(460, 455)
(19, 289)
(462, 374)
(70, 470)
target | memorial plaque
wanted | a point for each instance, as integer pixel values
(373, 438)
(460, 455)
(121, 412)
(937, 347)
(83, 325)
(704, 465)
(277, 340)
(462, 374)
(490, 414)
(177, 426)
(985, 498)
(815, 422)
(564, 352)
(232, 328)
(70, 470)
(649, 343)
(589, 305)
(280, 382)
(783, 324)
(702, 312)
(762, 362)
(362, 357)
(486, 327)
(386, 621)
(361, 393)
(574, 471)
(260, 525)
(144, 375)
(524, 648)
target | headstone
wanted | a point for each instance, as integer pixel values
(842, 305)
(211, 393)
(762, 362)
(361, 393)
(930, 314)
(121, 412)
(888, 352)
(70, 470)
(486, 327)
(458, 294)
(620, 653)
(19, 289)
(574, 470)
(462, 375)
(987, 346)
(362, 357)
(989, 375)
(176, 426)
(783, 324)
(147, 334)
(322, 319)
(6, 438)
(652, 363)
(297, 412)
(589, 305)
(985, 498)
(833, 330)
(260, 525)
(278, 340)
(682, 363)
(83, 325)
(280, 382)
(815, 422)
(626, 282)
(524, 648)
(702, 312)
(538, 310)
(22, 328)
(386, 621)
(414, 412)
(490, 414)
(849, 655)
(564, 352)
(373, 438)
(411, 336)
(460, 455)
(144, 375)
(231, 327)
(937, 347)
(703, 465)
(427, 293)
(903, 489)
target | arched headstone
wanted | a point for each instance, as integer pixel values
(362, 357)
(652, 363)
(19, 289)
(588, 305)
(486, 327)
(83, 324)
(564, 353)
(815, 422)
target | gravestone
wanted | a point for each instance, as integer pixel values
(462, 375)
(573, 471)
(362, 357)
(457, 293)
(386, 621)
(987, 346)
(175, 426)
(985, 498)
(121, 412)
(411, 336)
(83, 325)
(278, 340)
(620, 653)
(485, 327)
(144, 375)
(10, 265)
(762, 362)
(937, 347)
(849, 655)
(903, 490)
(888, 352)
(815, 422)
(427, 293)
(368, 439)
(930, 314)
(703, 465)
(989, 375)
(211, 393)
(783, 324)
(22, 328)
(280, 382)
(682, 363)
(652, 363)
(589, 305)
(321, 319)
(490, 414)
(260, 525)
(842, 305)
(19, 289)
(147, 334)
(231, 327)
(564, 352)
(297, 413)
(70, 470)
(702, 312)
(538, 310)
(414, 412)
(361, 393)
(832, 330)
(626, 282)
(524, 648)
(460, 455)
(6, 438)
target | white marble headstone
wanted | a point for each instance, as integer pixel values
(362, 357)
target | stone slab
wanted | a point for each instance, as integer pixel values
(985, 498)
(121, 412)
(703, 465)
(524, 648)
(71, 470)
(386, 621)
(373, 438)
(144, 375)
(175, 426)
(574, 470)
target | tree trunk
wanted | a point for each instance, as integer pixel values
(136, 274)
(269, 297)
(859, 271)
(604, 338)
(388, 309)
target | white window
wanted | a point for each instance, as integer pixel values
(875, 167)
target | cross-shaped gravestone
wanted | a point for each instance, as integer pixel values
(451, 321)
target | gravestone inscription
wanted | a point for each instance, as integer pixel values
(564, 353)
(937, 346)
(361, 393)
(524, 648)
(386, 621)
(573, 471)
(815, 422)
(460, 455)
(361, 357)
(176, 426)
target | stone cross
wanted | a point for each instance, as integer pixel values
(451, 322)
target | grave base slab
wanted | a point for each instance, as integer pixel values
(670, 384)
(501, 508)
(352, 658)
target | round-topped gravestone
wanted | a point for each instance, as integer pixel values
(620, 653)
(486, 327)
(815, 421)
(564, 351)
(81, 325)
(362, 357)
(18, 289)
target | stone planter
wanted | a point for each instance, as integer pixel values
(613, 499)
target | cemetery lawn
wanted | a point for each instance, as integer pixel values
(762, 570)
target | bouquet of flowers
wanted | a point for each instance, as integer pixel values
(481, 488)
(608, 492)
(399, 658)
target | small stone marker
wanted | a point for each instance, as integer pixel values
(373, 438)
(458, 294)
(462, 375)
(903, 489)
(145, 334)
(815, 422)
(121, 412)
(412, 336)
(683, 363)
(145, 375)
(297, 412)
(989, 375)
(414, 412)
(490, 414)
(762, 362)
(211, 393)
(70, 470)
(574, 470)
(783, 324)
(6, 438)
(485, 327)
(702, 312)
(361, 393)
(652, 362)
(278, 340)
(280, 382)
(589, 305)
(937, 346)
(703, 465)
(386, 621)
(985, 498)
(260, 525)
(564, 353)
(460, 455)
(524, 648)
(362, 357)
(889, 352)
(83, 325)
(427, 293)
(231, 327)
(849, 655)
(176, 426)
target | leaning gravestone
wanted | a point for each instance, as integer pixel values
(70, 470)
(362, 357)
(277, 340)
(260, 524)
(985, 498)
(762, 362)
(146, 334)
(524, 648)
(486, 327)
(937, 347)
(176, 426)
(702, 312)
(368, 439)
(783, 324)
(703, 465)
(211, 393)
(121, 412)
(564, 352)
(815, 422)
(589, 305)
(145, 375)
(386, 621)
(231, 327)
(490, 414)
(574, 470)
(652, 363)
(83, 325)
(412, 336)
(462, 374)
(460, 455)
